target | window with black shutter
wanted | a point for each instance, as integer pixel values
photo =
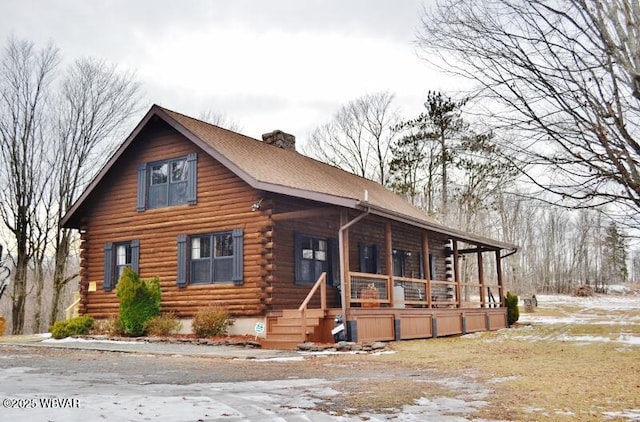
(118, 256)
(311, 258)
(168, 182)
(210, 258)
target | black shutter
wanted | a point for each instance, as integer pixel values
(108, 267)
(334, 275)
(432, 267)
(420, 266)
(238, 255)
(181, 276)
(376, 256)
(297, 257)
(135, 256)
(192, 176)
(142, 187)
(361, 253)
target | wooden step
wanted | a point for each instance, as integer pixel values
(310, 313)
(286, 331)
(311, 322)
(289, 329)
(299, 337)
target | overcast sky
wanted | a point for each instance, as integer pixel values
(277, 64)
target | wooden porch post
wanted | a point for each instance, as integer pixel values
(346, 299)
(500, 281)
(425, 265)
(456, 274)
(389, 258)
(483, 293)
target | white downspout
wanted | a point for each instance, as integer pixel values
(343, 292)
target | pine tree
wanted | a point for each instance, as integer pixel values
(615, 254)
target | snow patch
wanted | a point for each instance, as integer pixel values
(628, 414)
(282, 359)
(84, 340)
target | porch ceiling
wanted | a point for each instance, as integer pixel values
(459, 235)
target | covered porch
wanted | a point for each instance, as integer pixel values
(407, 294)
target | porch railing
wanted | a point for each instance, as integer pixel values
(74, 309)
(373, 290)
(369, 290)
(322, 284)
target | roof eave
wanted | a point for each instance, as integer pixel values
(439, 228)
(67, 218)
(256, 184)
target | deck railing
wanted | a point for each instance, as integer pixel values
(74, 309)
(373, 290)
(369, 290)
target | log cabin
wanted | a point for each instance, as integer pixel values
(280, 240)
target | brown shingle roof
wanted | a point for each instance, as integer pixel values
(275, 166)
(274, 169)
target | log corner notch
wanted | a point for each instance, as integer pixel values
(267, 265)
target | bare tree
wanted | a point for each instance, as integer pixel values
(43, 230)
(95, 102)
(484, 175)
(358, 137)
(220, 119)
(25, 78)
(563, 77)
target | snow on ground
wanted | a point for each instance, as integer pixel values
(620, 310)
(600, 302)
(295, 399)
(621, 289)
(288, 400)
(83, 340)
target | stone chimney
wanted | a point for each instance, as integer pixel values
(280, 139)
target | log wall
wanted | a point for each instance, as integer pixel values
(223, 203)
(370, 230)
(403, 237)
(288, 294)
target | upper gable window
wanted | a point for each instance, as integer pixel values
(166, 183)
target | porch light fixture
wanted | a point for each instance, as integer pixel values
(257, 205)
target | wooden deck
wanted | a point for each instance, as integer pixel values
(421, 309)
(380, 324)
(388, 324)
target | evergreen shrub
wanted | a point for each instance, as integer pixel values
(513, 312)
(139, 301)
(77, 326)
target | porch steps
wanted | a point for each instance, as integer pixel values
(286, 332)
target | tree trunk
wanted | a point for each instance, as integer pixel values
(39, 282)
(444, 176)
(60, 279)
(19, 290)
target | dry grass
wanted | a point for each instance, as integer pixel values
(382, 396)
(536, 375)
